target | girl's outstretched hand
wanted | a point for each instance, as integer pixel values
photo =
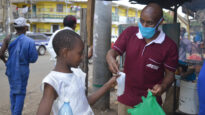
(113, 81)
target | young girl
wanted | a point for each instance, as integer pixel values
(67, 81)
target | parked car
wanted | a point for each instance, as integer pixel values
(41, 41)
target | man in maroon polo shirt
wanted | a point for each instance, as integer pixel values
(151, 58)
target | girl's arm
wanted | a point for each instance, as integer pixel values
(49, 95)
(96, 95)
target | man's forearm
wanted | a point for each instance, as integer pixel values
(112, 53)
(168, 80)
(111, 60)
(3, 50)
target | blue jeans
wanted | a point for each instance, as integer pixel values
(201, 91)
(17, 102)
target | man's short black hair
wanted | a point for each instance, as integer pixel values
(20, 29)
(65, 39)
(69, 21)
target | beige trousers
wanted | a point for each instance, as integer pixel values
(169, 100)
(122, 109)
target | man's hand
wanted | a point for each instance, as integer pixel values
(113, 65)
(7, 39)
(111, 60)
(4, 47)
(158, 90)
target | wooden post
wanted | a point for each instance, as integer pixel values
(175, 106)
(83, 34)
(188, 26)
(175, 14)
(90, 20)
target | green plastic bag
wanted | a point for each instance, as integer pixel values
(149, 106)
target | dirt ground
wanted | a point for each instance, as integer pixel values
(113, 97)
(34, 93)
(38, 71)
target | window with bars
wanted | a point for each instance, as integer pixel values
(59, 7)
(116, 11)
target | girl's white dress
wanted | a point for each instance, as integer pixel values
(72, 87)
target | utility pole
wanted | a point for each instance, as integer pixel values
(101, 44)
(6, 17)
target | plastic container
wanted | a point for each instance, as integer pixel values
(65, 109)
(121, 84)
(188, 99)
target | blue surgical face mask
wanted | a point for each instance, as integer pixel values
(148, 32)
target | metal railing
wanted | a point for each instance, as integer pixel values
(55, 16)
(43, 16)
(115, 18)
(32, 1)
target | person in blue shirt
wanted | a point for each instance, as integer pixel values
(201, 91)
(22, 51)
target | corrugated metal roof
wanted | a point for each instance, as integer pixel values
(167, 4)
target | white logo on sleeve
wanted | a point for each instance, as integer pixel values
(155, 67)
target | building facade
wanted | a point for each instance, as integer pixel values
(46, 16)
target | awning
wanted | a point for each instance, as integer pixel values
(167, 4)
(194, 5)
